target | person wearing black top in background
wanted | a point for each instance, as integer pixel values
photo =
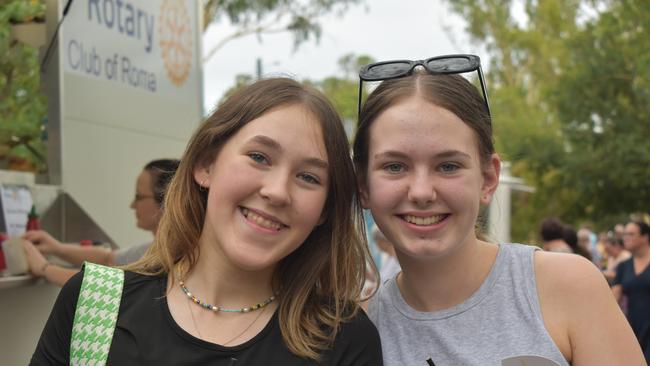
(633, 281)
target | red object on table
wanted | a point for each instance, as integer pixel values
(3, 265)
(86, 243)
(32, 220)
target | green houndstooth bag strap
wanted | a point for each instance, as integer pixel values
(96, 314)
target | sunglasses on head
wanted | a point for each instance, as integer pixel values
(448, 64)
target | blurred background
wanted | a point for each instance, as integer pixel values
(569, 83)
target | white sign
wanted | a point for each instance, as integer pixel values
(15, 201)
(146, 44)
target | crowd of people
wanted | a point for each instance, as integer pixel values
(606, 249)
(622, 254)
(259, 259)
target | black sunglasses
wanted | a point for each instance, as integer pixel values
(447, 64)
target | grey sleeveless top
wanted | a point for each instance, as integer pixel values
(502, 319)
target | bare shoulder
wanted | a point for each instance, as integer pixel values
(568, 273)
(571, 289)
(580, 312)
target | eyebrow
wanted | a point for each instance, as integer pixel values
(267, 141)
(318, 163)
(272, 144)
(401, 155)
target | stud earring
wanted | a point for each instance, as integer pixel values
(202, 185)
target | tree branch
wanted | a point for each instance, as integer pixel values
(239, 34)
(6, 91)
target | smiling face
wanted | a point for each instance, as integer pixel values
(267, 189)
(424, 181)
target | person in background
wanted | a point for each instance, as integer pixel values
(633, 281)
(616, 254)
(602, 237)
(150, 188)
(258, 259)
(588, 240)
(552, 233)
(619, 230)
(426, 164)
(570, 237)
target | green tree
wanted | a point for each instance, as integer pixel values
(258, 17)
(568, 80)
(241, 81)
(22, 105)
(342, 90)
(603, 101)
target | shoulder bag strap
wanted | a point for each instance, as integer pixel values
(96, 314)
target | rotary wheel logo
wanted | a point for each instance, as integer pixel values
(175, 40)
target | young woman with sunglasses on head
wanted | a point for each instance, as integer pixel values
(257, 260)
(426, 164)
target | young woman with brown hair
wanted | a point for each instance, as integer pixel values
(257, 260)
(426, 164)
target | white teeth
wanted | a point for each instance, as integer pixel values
(423, 221)
(261, 221)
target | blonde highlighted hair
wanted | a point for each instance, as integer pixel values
(321, 281)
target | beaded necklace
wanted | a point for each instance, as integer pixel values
(207, 306)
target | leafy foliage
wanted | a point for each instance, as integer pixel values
(300, 17)
(22, 105)
(569, 82)
(341, 90)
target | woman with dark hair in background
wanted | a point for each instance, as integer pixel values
(616, 254)
(552, 232)
(147, 203)
(633, 280)
(570, 236)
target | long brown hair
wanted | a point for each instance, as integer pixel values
(321, 281)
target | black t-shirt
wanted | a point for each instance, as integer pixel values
(146, 334)
(637, 289)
